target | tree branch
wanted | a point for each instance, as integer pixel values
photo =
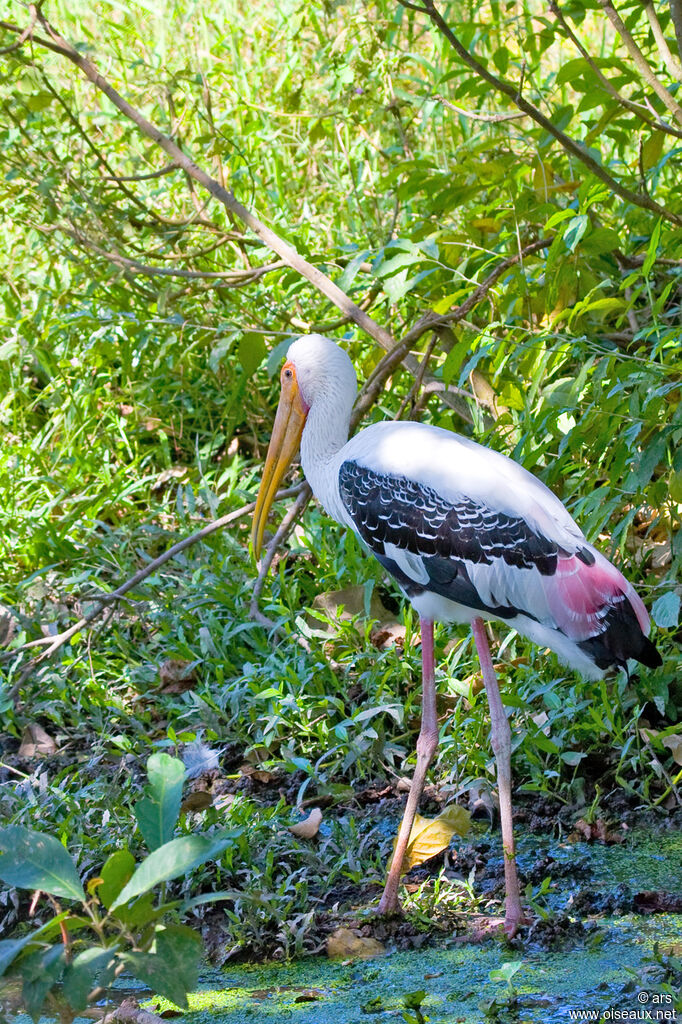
(59, 45)
(636, 108)
(509, 90)
(676, 16)
(640, 60)
(671, 62)
(104, 601)
(227, 278)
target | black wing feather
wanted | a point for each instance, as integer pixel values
(399, 511)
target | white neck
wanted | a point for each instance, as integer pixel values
(324, 435)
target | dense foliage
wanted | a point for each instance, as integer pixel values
(142, 328)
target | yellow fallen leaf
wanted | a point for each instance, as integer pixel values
(346, 945)
(430, 836)
(674, 744)
(35, 742)
(308, 828)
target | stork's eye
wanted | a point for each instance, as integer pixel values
(288, 374)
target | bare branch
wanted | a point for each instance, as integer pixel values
(489, 118)
(227, 278)
(104, 601)
(168, 169)
(642, 113)
(671, 62)
(640, 60)
(676, 16)
(513, 93)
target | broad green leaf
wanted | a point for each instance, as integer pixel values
(575, 230)
(351, 269)
(157, 814)
(41, 971)
(94, 966)
(251, 351)
(10, 948)
(170, 860)
(652, 248)
(171, 969)
(665, 610)
(34, 860)
(117, 871)
(675, 486)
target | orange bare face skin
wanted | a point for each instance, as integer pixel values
(284, 443)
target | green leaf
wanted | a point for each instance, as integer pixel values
(117, 871)
(351, 269)
(573, 757)
(157, 814)
(34, 860)
(41, 972)
(10, 948)
(652, 248)
(171, 969)
(94, 966)
(173, 859)
(251, 352)
(665, 610)
(575, 230)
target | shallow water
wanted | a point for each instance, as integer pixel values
(609, 970)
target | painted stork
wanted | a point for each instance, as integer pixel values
(469, 536)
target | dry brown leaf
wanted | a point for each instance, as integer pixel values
(35, 742)
(223, 800)
(388, 634)
(430, 836)
(348, 603)
(596, 831)
(309, 995)
(673, 741)
(674, 745)
(309, 827)
(199, 800)
(176, 676)
(346, 945)
(257, 774)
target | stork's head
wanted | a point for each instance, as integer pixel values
(316, 369)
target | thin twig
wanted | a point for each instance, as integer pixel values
(474, 116)
(640, 60)
(635, 108)
(54, 643)
(33, 11)
(228, 278)
(513, 93)
(671, 62)
(167, 169)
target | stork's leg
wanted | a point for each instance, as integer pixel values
(426, 748)
(501, 742)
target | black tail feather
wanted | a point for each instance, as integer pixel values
(621, 639)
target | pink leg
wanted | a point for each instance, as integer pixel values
(426, 748)
(501, 742)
